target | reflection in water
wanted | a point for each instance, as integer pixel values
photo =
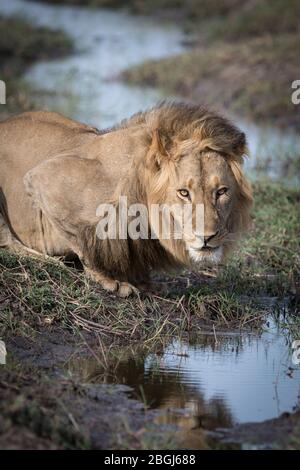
(168, 389)
(204, 386)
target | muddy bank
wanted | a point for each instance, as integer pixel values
(280, 433)
(42, 406)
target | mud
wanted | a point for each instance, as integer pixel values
(44, 407)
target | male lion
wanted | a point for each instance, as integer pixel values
(54, 173)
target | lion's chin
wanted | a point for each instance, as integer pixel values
(206, 256)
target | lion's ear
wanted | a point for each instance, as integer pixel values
(159, 150)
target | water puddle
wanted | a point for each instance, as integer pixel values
(215, 382)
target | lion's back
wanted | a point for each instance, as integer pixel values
(31, 137)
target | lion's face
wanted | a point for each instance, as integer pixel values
(205, 181)
(215, 184)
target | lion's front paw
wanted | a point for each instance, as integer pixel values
(126, 289)
(122, 289)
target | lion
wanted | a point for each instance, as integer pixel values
(54, 173)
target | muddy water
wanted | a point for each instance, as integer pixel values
(210, 384)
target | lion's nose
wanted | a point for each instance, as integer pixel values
(207, 238)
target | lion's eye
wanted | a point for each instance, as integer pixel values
(184, 193)
(221, 191)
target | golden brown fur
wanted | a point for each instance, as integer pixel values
(54, 172)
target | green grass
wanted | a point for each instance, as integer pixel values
(36, 294)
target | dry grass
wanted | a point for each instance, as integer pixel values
(37, 294)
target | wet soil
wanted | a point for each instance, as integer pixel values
(271, 434)
(43, 407)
